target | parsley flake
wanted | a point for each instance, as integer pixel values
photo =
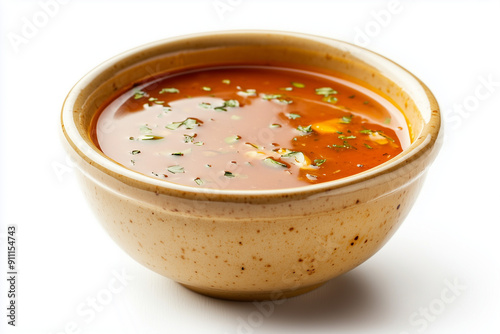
(305, 129)
(169, 90)
(175, 169)
(274, 163)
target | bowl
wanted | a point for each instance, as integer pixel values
(251, 244)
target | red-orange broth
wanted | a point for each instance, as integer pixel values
(250, 127)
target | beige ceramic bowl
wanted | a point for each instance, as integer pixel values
(251, 245)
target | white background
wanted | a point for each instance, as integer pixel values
(66, 261)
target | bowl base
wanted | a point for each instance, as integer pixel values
(252, 295)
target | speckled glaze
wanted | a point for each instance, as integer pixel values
(251, 245)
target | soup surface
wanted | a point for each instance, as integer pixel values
(250, 127)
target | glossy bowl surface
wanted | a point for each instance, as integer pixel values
(251, 245)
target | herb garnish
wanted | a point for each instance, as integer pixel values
(346, 119)
(229, 174)
(134, 152)
(169, 90)
(145, 129)
(326, 91)
(305, 129)
(297, 84)
(199, 181)
(189, 123)
(274, 163)
(228, 103)
(175, 169)
(248, 92)
(379, 132)
(319, 162)
(226, 81)
(271, 96)
(330, 99)
(205, 105)
(147, 137)
(232, 139)
(139, 94)
(344, 145)
(293, 116)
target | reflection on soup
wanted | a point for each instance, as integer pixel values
(250, 127)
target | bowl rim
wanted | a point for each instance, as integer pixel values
(425, 141)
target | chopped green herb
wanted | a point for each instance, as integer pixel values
(368, 146)
(173, 125)
(169, 90)
(381, 133)
(228, 174)
(253, 145)
(248, 92)
(149, 137)
(330, 99)
(366, 102)
(175, 169)
(188, 139)
(344, 145)
(228, 103)
(319, 162)
(133, 162)
(282, 101)
(298, 84)
(293, 116)
(226, 81)
(139, 94)
(347, 137)
(274, 125)
(352, 96)
(326, 91)
(205, 105)
(305, 129)
(189, 123)
(134, 152)
(232, 139)
(270, 96)
(180, 154)
(290, 154)
(145, 129)
(198, 143)
(274, 163)
(346, 119)
(288, 89)
(206, 89)
(199, 181)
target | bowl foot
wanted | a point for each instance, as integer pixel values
(252, 295)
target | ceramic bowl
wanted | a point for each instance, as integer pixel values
(251, 245)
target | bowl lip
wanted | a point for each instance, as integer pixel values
(426, 140)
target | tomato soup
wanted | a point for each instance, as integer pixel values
(250, 127)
